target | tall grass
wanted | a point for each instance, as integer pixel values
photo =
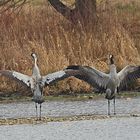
(58, 44)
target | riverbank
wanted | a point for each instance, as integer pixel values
(17, 97)
(45, 120)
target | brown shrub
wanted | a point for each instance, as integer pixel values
(59, 44)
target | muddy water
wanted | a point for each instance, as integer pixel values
(68, 108)
(106, 129)
(114, 128)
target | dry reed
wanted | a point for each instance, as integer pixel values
(58, 44)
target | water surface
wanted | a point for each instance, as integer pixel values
(69, 108)
(106, 129)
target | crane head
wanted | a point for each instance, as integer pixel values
(33, 55)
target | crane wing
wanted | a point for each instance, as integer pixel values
(19, 77)
(57, 76)
(128, 74)
(90, 75)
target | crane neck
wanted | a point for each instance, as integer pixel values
(113, 69)
(36, 71)
(35, 61)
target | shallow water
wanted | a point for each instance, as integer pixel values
(106, 129)
(116, 128)
(68, 108)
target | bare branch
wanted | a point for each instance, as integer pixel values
(61, 8)
(84, 11)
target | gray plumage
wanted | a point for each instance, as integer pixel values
(110, 83)
(107, 82)
(36, 82)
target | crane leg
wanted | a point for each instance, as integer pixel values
(36, 110)
(40, 113)
(114, 106)
(109, 107)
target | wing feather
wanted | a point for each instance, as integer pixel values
(54, 77)
(19, 77)
(90, 75)
(128, 74)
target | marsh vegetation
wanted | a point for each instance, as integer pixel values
(39, 28)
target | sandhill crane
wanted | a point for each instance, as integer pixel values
(109, 82)
(36, 82)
